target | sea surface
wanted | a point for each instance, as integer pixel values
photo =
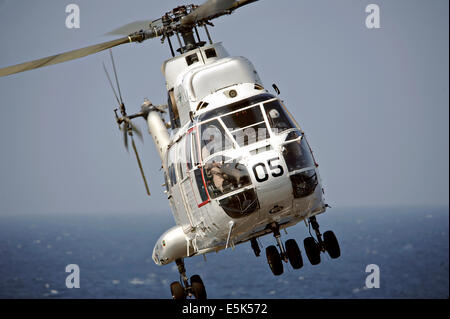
(409, 245)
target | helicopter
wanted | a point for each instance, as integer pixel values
(236, 164)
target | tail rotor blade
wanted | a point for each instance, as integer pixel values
(140, 165)
(135, 129)
(125, 134)
(115, 75)
(110, 83)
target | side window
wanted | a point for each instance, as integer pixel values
(173, 110)
(196, 160)
(188, 151)
(172, 176)
(171, 160)
(166, 182)
(181, 158)
(200, 184)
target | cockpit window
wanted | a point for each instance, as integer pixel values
(279, 121)
(247, 126)
(213, 139)
(235, 106)
(241, 204)
(298, 155)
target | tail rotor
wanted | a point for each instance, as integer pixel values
(124, 121)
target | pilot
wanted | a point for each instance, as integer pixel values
(213, 168)
(276, 120)
(217, 176)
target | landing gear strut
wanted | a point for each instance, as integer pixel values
(182, 289)
(288, 253)
(314, 247)
(255, 247)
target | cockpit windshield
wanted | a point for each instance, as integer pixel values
(279, 121)
(247, 126)
(240, 127)
(298, 155)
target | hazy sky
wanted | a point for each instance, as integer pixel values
(374, 103)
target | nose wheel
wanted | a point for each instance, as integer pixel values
(187, 288)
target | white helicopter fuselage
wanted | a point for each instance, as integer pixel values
(262, 173)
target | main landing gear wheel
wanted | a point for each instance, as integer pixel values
(198, 289)
(182, 289)
(293, 253)
(274, 260)
(312, 250)
(177, 290)
(314, 247)
(331, 244)
(287, 253)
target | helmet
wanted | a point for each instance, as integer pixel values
(274, 114)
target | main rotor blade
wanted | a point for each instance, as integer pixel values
(209, 8)
(67, 56)
(130, 28)
(213, 9)
(140, 166)
(240, 3)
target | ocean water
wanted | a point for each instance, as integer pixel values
(410, 246)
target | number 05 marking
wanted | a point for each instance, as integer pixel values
(276, 170)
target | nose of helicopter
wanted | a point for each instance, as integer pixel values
(272, 183)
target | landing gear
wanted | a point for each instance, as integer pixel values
(314, 247)
(197, 287)
(288, 253)
(255, 247)
(177, 290)
(331, 244)
(274, 260)
(182, 289)
(312, 250)
(294, 254)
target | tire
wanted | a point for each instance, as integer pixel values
(274, 260)
(294, 254)
(331, 244)
(198, 288)
(177, 290)
(312, 250)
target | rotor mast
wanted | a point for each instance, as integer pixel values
(174, 26)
